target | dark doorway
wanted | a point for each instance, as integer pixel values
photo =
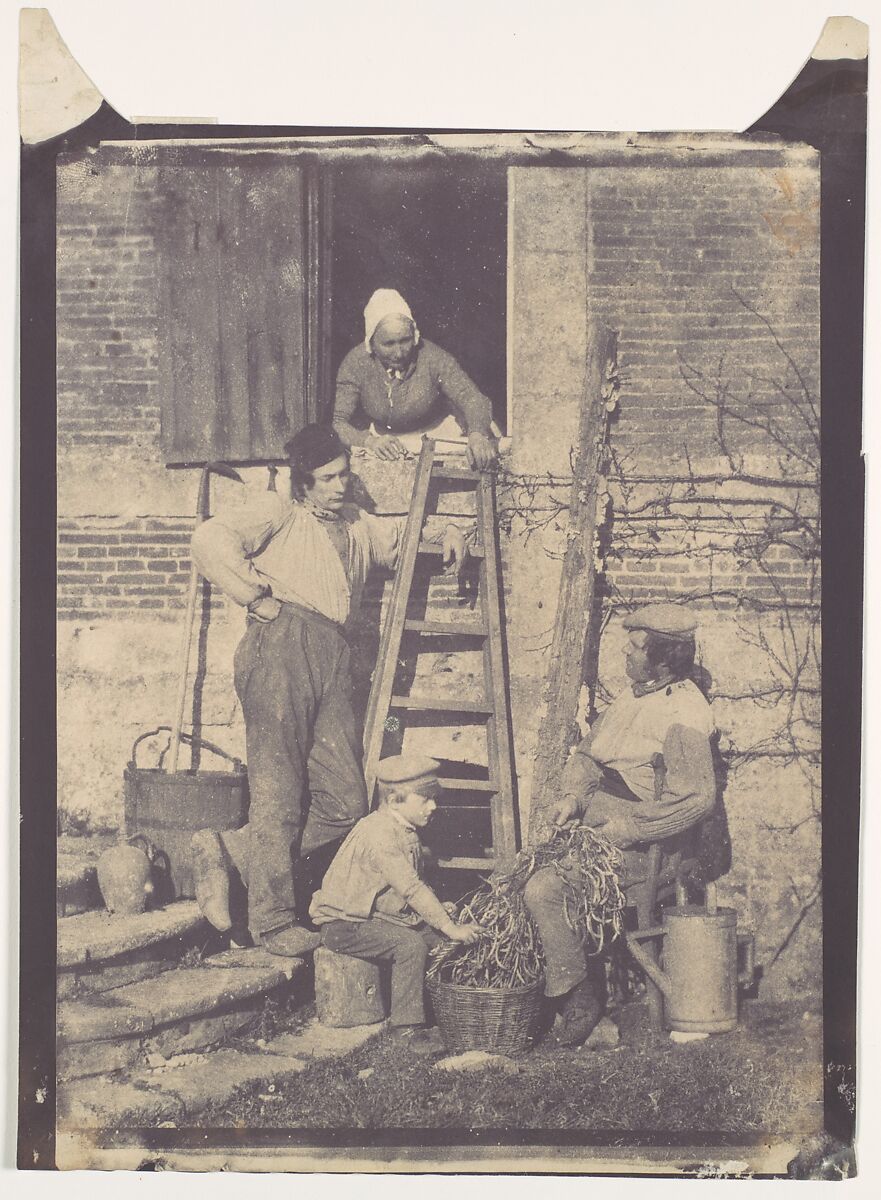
(438, 235)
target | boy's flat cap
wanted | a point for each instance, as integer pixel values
(413, 771)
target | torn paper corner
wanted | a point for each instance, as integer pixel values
(842, 37)
(54, 92)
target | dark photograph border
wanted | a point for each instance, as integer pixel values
(825, 107)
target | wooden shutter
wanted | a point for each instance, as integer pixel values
(239, 307)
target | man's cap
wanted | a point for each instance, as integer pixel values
(668, 620)
(314, 446)
(409, 772)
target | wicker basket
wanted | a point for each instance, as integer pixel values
(498, 1019)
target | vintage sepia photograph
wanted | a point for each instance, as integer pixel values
(440, 764)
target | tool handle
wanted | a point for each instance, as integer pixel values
(746, 974)
(186, 642)
(202, 514)
(659, 767)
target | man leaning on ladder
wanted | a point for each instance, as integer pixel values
(299, 567)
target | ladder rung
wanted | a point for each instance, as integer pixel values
(446, 814)
(468, 785)
(453, 628)
(442, 704)
(477, 820)
(437, 548)
(467, 864)
(439, 471)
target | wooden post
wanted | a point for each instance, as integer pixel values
(348, 991)
(566, 671)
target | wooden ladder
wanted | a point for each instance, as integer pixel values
(462, 796)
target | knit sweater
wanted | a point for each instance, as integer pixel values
(433, 382)
(674, 721)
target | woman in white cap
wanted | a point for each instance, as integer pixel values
(397, 382)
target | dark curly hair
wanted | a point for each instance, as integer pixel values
(302, 479)
(675, 655)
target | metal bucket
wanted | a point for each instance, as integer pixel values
(700, 963)
(169, 808)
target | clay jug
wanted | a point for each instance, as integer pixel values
(124, 875)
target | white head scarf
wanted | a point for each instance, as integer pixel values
(385, 302)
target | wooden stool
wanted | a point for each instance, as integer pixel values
(348, 990)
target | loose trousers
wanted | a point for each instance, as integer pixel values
(403, 946)
(566, 963)
(305, 776)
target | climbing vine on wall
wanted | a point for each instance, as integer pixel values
(741, 535)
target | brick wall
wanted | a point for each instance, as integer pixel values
(710, 278)
(106, 306)
(107, 567)
(683, 549)
(788, 579)
(657, 252)
(691, 266)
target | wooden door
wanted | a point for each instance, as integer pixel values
(243, 291)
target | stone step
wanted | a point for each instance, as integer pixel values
(174, 1092)
(76, 879)
(98, 951)
(184, 1009)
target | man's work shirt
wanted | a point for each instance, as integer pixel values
(281, 544)
(376, 873)
(675, 721)
(366, 391)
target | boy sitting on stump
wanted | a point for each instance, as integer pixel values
(373, 903)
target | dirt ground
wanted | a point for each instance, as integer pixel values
(764, 1077)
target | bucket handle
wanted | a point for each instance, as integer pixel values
(147, 846)
(186, 737)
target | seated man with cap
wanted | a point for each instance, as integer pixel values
(396, 382)
(299, 567)
(374, 904)
(643, 774)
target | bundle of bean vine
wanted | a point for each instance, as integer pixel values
(509, 954)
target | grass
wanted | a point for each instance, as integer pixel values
(764, 1077)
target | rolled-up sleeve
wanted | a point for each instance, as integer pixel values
(223, 545)
(386, 535)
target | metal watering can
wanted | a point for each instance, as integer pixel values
(698, 975)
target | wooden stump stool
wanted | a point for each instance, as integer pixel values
(348, 990)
